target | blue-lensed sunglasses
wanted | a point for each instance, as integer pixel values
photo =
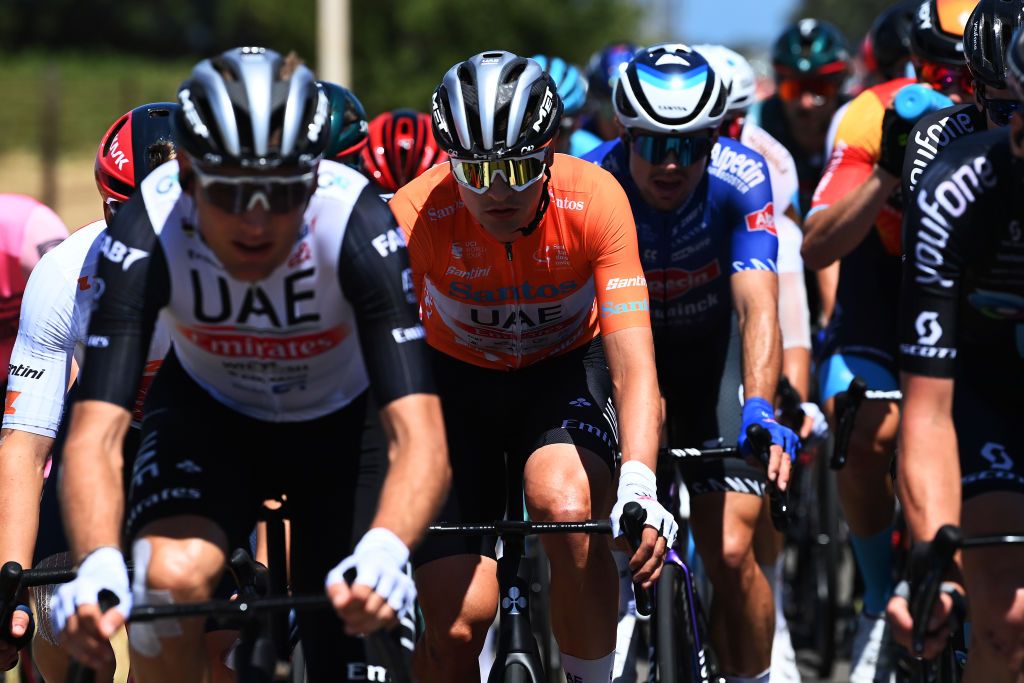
(655, 149)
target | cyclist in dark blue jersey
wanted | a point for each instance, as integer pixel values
(707, 239)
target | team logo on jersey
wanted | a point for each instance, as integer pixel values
(553, 256)
(762, 220)
(672, 283)
(116, 251)
(928, 328)
(742, 171)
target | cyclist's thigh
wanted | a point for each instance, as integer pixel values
(691, 388)
(568, 433)
(196, 459)
(332, 494)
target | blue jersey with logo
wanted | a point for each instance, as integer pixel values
(726, 226)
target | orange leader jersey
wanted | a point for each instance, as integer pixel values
(856, 148)
(508, 305)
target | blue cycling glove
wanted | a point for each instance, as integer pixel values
(758, 411)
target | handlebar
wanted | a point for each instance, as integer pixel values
(928, 564)
(632, 521)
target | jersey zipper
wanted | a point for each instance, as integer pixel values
(517, 340)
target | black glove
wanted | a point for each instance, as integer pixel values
(895, 131)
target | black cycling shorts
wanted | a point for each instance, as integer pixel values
(990, 441)
(198, 457)
(494, 414)
(700, 381)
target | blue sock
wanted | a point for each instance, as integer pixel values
(874, 557)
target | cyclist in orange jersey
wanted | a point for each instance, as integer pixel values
(534, 302)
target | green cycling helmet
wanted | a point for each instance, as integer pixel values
(349, 128)
(811, 47)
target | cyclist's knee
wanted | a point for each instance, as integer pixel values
(735, 560)
(189, 569)
(457, 628)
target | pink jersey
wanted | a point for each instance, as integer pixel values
(28, 230)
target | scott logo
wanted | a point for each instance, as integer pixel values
(762, 220)
(928, 328)
(117, 252)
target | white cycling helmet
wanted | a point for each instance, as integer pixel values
(736, 71)
(669, 89)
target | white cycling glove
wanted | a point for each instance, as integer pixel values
(102, 569)
(637, 483)
(379, 560)
(820, 423)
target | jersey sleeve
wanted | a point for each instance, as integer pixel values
(856, 147)
(611, 245)
(376, 278)
(755, 238)
(936, 245)
(43, 231)
(417, 237)
(136, 285)
(41, 360)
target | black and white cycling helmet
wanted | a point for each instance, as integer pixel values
(669, 89)
(250, 107)
(493, 105)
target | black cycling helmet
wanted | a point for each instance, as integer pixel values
(495, 104)
(937, 33)
(987, 38)
(889, 37)
(810, 47)
(250, 107)
(349, 128)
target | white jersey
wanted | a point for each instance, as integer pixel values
(56, 307)
(337, 316)
(794, 316)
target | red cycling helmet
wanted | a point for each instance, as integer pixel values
(401, 147)
(137, 142)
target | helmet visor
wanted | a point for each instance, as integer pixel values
(792, 89)
(519, 172)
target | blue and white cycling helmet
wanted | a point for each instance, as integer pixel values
(669, 89)
(735, 70)
(572, 86)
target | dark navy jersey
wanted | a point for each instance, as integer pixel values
(931, 134)
(725, 227)
(963, 281)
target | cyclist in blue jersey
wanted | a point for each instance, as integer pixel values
(707, 239)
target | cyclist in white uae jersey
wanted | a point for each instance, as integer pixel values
(282, 281)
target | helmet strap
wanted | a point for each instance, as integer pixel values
(542, 206)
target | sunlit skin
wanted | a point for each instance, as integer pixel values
(502, 211)
(666, 186)
(250, 244)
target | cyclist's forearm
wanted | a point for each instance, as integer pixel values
(835, 231)
(91, 488)
(630, 355)
(419, 473)
(22, 462)
(928, 474)
(762, 352)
